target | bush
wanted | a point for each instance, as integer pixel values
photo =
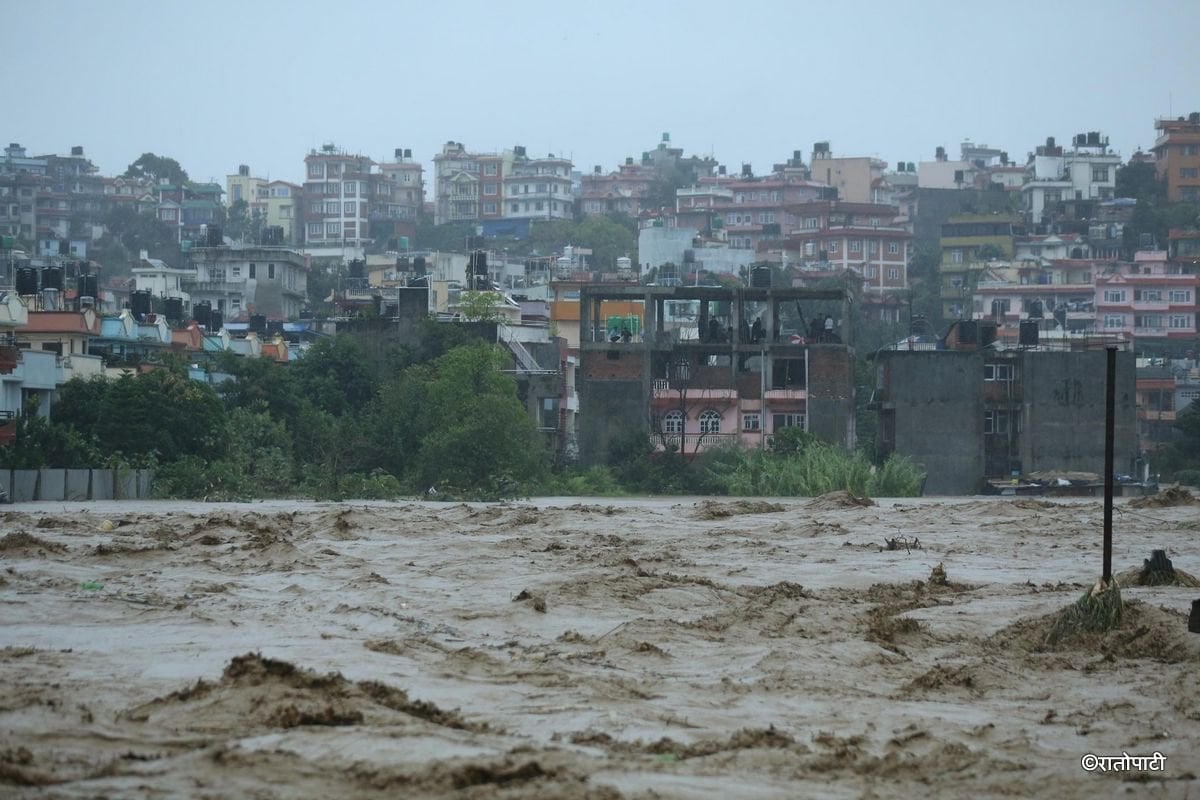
(596, 481)
(815, 470)
(193, 478)
(373, 486)
(1187, 477)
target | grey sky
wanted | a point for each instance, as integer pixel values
(218, 83)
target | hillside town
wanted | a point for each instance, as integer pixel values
(701, 303)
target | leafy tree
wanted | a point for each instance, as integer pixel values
(1140, 180)
(78, 404)
(260, 383)
(136, 232)
(478, 438)
(479, 306)
(990, 252)
(161, 414)
(41, 443)
(609, 237)
(157, 168)
(451, 237)
(336, 376)
(260, 451)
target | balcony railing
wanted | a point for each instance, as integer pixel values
(691, 442)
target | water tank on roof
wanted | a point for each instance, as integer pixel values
(139, 303)
(217, 321)
(27, 281)
(202, 314)
(174, 309)
(258, 323)
(52, 278)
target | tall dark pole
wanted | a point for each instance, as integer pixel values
(1110, 393)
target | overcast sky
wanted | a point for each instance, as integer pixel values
(218, 83)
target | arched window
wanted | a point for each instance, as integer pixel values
(673, 422)
(710, 421)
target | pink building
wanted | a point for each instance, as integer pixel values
(1150, 299)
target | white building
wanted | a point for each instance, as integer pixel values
(539, 188)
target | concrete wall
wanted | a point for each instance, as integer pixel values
(79, 485)
(938, 401)
(613, 396)
(1063, 412)
(831, 394)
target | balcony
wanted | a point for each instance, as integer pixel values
(216, 286)
(692, 442)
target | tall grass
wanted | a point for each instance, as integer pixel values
(815, 470)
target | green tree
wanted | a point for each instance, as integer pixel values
(479, 306)
(157, 168)
(161, 414)
(609, 238)
(451, 237)
(478, 439)
(336, 376)
(1140, 180)
(40, 443)
(136, 232)
(990, 252)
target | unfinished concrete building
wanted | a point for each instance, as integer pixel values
(700, 367)
(973, 411)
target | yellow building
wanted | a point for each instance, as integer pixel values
(283, 200)
(968, 242)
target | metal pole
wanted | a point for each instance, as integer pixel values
(1110, 393)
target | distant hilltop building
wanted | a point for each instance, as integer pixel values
(1177, 157)
(349, 200)
(502, 192)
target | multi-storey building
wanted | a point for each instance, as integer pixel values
(1152, 300)
(338, 190)
(21, 178)
(283, 208)
(71, 203)
(734, 378)
(537, 188)
(1058, 292)
(492, 169)
(749, 210)
(1177, 157)
(1060, 180)
(457, 174)
(965, 412)
(621, 191)
(241, 281)
(244, 187)
(854, 178)
(407, 196)
(863, 237)
(963, 238)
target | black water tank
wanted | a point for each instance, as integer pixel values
(52, 278)
(275, 326)
(202, 314)
(760, 278)
(174, 309)
(86, 285)
(1029, 333)
(968, 332)
(27, 280)
(258, 323)
(218, 321)
(214, 236)
(358, 268)
(139, 303)
(419, 265)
